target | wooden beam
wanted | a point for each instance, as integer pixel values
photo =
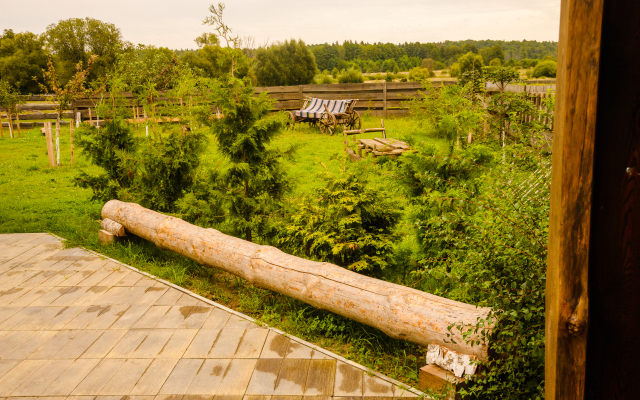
(567, 300)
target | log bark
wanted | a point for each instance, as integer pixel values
(399, 311)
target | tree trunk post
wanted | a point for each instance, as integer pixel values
(48, 137)
(10, 124)
(71, 139)
(18, 125)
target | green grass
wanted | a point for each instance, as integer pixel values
(35, 197)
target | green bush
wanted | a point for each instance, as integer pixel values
(283, 64)
(454, 71)
(420, 74)
(323, 79)
(351, 75)
(345, 222)
(546, 69)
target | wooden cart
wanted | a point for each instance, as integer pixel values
(328, 114)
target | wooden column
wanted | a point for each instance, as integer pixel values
(613, 345)
(593, 277)
(301, 95)
(567, 300)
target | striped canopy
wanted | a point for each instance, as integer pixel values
(315, 109)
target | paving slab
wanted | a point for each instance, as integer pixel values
(77, 325)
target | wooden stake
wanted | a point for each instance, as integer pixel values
(10, 125)
(48, 137)
(58, 143)
(90, 116)
(1, 128)
(71, 139)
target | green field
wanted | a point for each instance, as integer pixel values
(35, 197)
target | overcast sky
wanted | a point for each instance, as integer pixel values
(175, 23)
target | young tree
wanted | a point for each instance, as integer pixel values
(9, 100)
(284, 64)
(65, 94)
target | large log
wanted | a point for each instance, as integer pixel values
(398, 311)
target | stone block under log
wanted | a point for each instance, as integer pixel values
(432, 377)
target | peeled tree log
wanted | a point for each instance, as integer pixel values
(400, 312)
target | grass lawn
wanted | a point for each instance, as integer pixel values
(37, 198)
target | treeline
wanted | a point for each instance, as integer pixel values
(389, 57)
(70, 43)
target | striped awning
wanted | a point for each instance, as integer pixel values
(315, 109)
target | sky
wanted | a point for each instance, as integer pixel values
(176, 23)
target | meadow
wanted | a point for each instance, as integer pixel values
(35, 197)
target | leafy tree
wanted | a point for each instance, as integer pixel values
(214, 61)
(284, 64)
(546, 68)
(143, 66)
(22, 59)
(420, 74)
(470, 69)
(495, 62)
(489, 53)
(75, 40)
(345, 222)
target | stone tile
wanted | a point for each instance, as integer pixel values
(374, 386)
(52, 346)
(104, 344)
(14, 251)
(154, 377)
(20, 373)
(196, 318)
(151, 295)
(78, 295)
(169, 397)
(209, 377)
(120, 295)
(292, 377)
(7, 365)
(42, 378)
(169, 298)
(126, 377)
(31, 253)
(30, 296)
(186, 300)
(217, 319)
(129, 343)
(8, 312)
(151, 318)
(51, 262)
(317, 355)
(175, 317)
(276, 346)
(321, 378)
(81, 397)
(202, 343)
(348, 380)
(252, 343)
(178, 344)
(12, 349)
(146, 282)
(12, 294)
(130, 317)
(402, 392)
(181, 376)
(118, 274)
(77, 278)
(71, 377)
(98, 276)
(264, 377)
(106, 315)
(153, 344)
(297, 350)
(62, 317)
(82, 341)
(236, 379)
(98, 377)
(40, 319)
(23, 315)
(129, 279)
(238, 322)
(226, 344)
(37, 278)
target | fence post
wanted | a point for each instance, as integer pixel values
(48, 137)
(301, 95)
(384, 99)
(78, 119)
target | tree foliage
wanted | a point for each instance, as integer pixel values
(545, 69)
(22, 59)
(75, 40)
(284, 64)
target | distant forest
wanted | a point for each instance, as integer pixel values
(389, 57)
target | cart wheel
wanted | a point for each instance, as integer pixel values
(327, 123)
(292, 120)
(354, 121)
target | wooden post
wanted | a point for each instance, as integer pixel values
(1, 127)
(567, 299)
(301, 95)
(58, 142)
(71, 139)
(48, 137)
(78, 119)
(10, 124)
(90, 116)
(384, 99)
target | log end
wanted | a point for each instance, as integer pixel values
(105, 237)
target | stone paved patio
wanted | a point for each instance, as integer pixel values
(80, 326)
